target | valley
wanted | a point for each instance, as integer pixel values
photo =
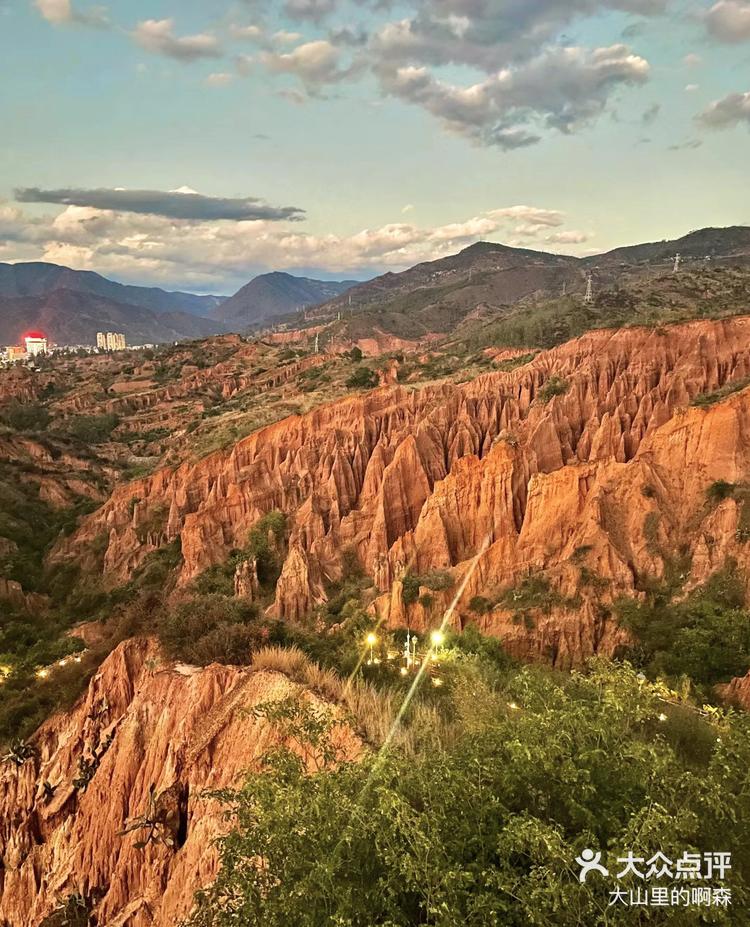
(309, 569)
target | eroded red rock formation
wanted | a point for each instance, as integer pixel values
(150, 724)
(590, 456)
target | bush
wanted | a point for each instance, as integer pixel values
(211, 628)
(435, 580)
(483, 829)
(555, 386)
(706, 636)
(25, 416)
(362, 378)
(720, 490)
(92, 429)
(481, 605)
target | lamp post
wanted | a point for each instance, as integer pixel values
(371, 641)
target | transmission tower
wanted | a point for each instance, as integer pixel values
(677, 263)
(565, 288)
(589, 288)
(317, 343)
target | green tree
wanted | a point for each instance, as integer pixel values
(486, 830)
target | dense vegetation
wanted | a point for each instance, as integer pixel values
(652, 301)
(704, 638)
(482, 823)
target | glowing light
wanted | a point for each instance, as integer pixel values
(62, 663)
(514, 706)
(42, 673)
(372, 639)
(437, 638)
(662, 717)
(404, 671)
(437, 682)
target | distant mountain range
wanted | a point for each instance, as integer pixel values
(39, 279)
(70, 317)
(435, 296)
(273, 295)
(71, 306)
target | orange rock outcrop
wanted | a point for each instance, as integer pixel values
(180, 730)
(589, 463)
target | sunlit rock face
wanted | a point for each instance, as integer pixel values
(589, 463)
(144, 724)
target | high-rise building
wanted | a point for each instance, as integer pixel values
(36, 344)
(110, 341)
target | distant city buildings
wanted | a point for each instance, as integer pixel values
(32, 345)
(110, 341)
(36, 344)
(14, 353)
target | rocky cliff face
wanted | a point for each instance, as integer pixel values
(144, 727)
(589, 463)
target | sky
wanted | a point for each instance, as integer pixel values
(193, 144)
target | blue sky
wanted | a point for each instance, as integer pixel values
(342, 139)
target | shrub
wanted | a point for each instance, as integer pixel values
(555, 386)
(92, 429)
(25, 416)
(402, 839)
(362, 378)
(713, 396)
(435, 580)
(211, 628)
(720, 490)
(706, 636)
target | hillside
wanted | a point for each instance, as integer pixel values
(39, 279)
(487, 281)
(702, 245)
(272, 295)
(213, 556)
(74, 317)
(586, 502)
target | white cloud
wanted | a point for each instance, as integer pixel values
(562, 88)
(62, 13)
(315, 63)
(157, 36)
(167, 251)
(252, 32)
(732, 110)
(729, 21)
(573, 237)
(219, 79)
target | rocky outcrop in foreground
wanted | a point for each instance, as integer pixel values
(147, 740)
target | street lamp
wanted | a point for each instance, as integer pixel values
(371, 641)
(437, 638)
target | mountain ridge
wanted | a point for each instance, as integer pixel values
(73, 317)
(35, 278)
(275, 294)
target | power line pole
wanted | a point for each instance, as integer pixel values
(317, 343)
(677, 263)
(589, 288)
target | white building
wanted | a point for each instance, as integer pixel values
(110, 341)
(36, 344)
